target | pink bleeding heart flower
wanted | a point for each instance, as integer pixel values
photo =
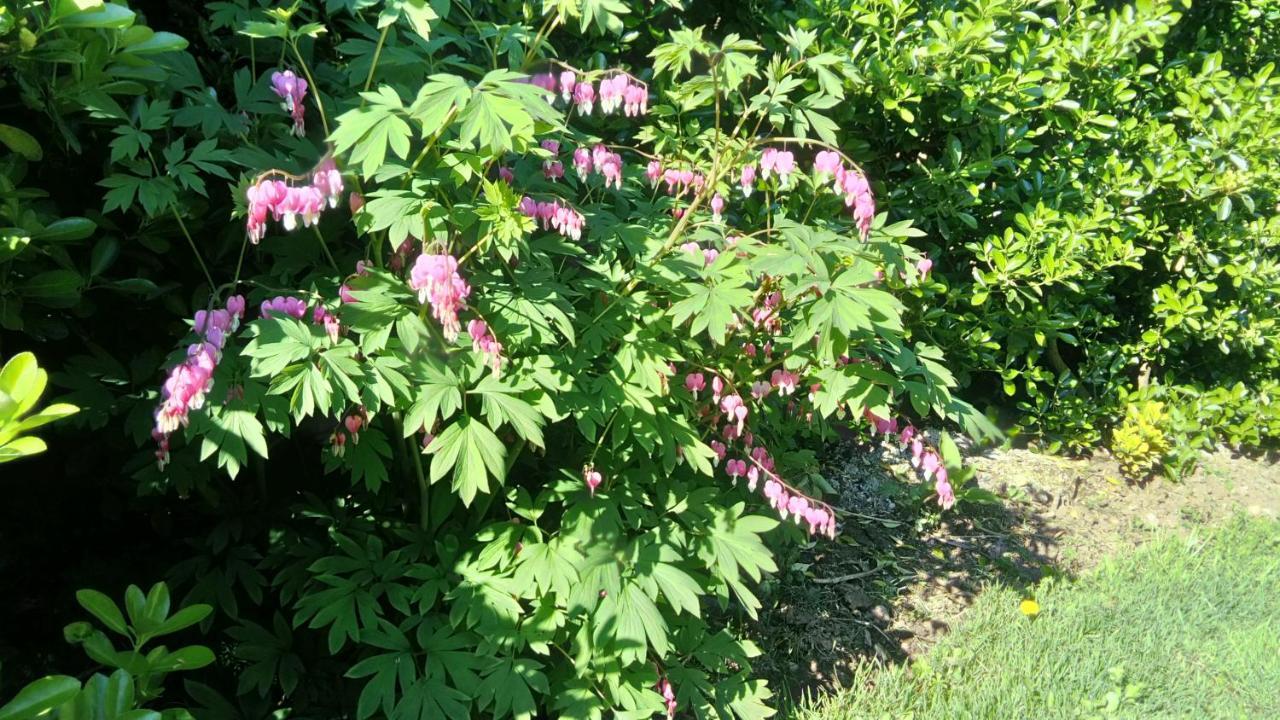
(592, 478)
(923, 267)
(483, 341)
(292, 91)
(582, 162)
(826, 163)
(946, 494)
(653, 172)
(568, 79)
(929, 464)
(719, 449)
(748, 179)
(695, 383)
(907, 435)
(438, 283)
(584, 96)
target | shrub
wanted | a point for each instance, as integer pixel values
(1098, 184)
(22, 382)
(543, 340)
(136, 679)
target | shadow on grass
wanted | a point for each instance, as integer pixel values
(896, 577)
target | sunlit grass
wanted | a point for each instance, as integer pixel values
(1181, 628)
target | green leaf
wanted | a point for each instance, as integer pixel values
(500, 404)
(66, 230)
(106, 16)
(441, 95)
(680, 590)
(640, 622)
(20, 448)
(711, 307)
(39, 697)
(183, 619)
(192, 657)
(104, 609)
(367, 131)
(508, 686)
(160, 42)
(21, 142)
(471, 450)
(118, 697)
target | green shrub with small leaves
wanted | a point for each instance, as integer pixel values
(1098, 183)
(22, 382)
(136, 678)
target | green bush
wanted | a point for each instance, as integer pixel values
(480, 395)
(1098, 185)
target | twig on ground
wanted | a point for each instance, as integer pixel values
(846, 578)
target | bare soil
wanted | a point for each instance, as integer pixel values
(900, 575)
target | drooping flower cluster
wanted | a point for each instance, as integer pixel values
(554, 215)
(780, 162)
(668, 697)
(286, 306)
(552, 168)
(287, 204)
(321, 316)
(437, 281)
(292, 91)
(850, 182)
(755, 464)
(353, 422)
(923, 458)
(617, 91)
(681, 181)
(282, 305)
(483, 341)
(189, 381)
(599, 159)
(708, 255)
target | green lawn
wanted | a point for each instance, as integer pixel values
(1182, 628)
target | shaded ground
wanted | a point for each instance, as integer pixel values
(897, 578)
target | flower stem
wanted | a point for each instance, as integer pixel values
(325, 247)
(192, 243)
(424, 489)
(306, 70)
(377, 53)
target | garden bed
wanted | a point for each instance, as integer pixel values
(897, 579)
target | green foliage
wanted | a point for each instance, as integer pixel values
(390, 521)
(442, 554)
(136, 678)
(1139, 442)
(1098, 185)
(22, 381)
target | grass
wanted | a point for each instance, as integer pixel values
(1181, 628)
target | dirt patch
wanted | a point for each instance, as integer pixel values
(900, 575)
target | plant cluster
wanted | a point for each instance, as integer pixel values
(474, 354)
(1098, 182)
(550, 419)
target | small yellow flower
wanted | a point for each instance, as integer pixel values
(1029, 607)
